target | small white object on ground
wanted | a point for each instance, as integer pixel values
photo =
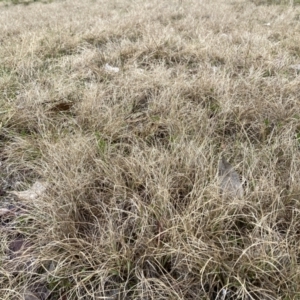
(4, 211)
(223, 294)
(295, 67)
(37, 189)
(109, 68)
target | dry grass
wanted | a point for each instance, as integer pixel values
(132, 209)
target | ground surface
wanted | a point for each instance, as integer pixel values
(114, 115)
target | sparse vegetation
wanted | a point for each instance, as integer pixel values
(129, 157)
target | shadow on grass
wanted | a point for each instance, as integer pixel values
(276, 2)
(25, 2)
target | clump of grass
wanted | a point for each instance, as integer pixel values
(132, 208)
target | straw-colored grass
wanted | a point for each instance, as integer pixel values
(132, 208)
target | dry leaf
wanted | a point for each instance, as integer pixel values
(30, 296)
(230, 183)
(34, 192)
(17, 244)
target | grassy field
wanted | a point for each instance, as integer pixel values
(119, 111)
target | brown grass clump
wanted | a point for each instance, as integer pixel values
(129, 158)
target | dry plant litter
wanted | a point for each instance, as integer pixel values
(113, 118)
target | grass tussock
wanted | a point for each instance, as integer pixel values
(132, 208)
